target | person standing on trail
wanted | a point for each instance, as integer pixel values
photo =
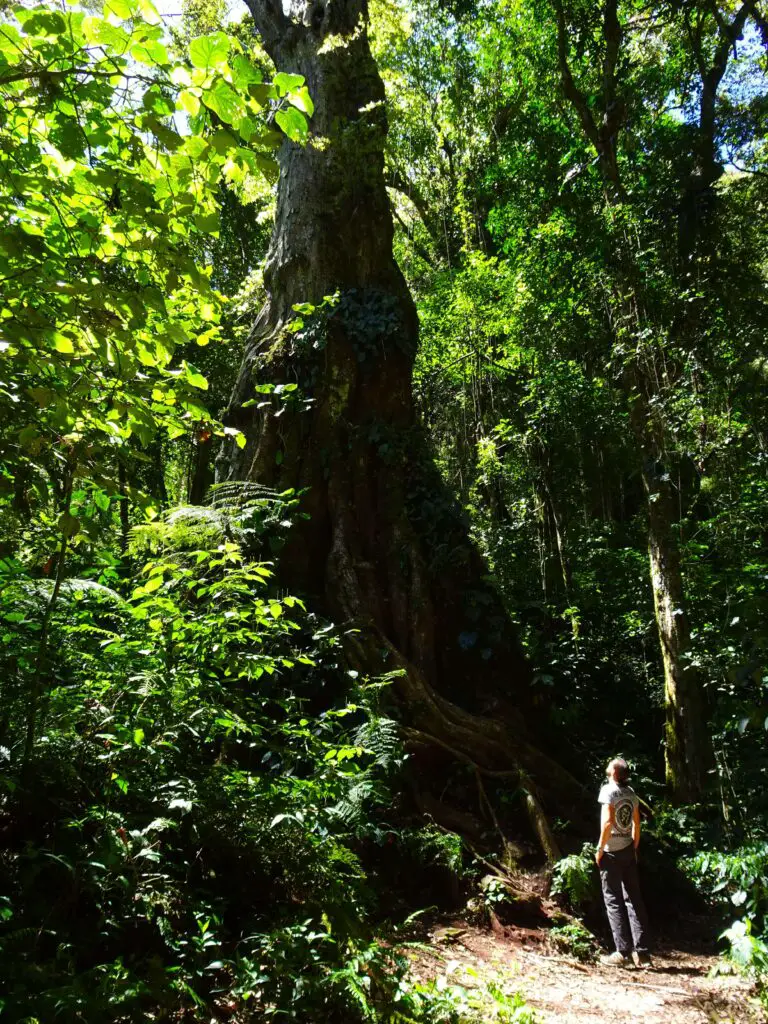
(616, 858)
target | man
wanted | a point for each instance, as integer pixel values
(616, 857)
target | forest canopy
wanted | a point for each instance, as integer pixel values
(383, 447)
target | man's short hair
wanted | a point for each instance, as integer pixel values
(622, 769)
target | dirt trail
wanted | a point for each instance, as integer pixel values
(677, 990)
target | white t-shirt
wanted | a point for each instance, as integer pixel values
(624, 800)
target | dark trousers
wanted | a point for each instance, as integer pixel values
(621, 892)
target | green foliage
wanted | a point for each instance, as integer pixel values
(254, 517)
(434, 845)
(495, 893)
(196, 791)
(518, 263)
(575, 877)
(739, 879)
(575, 940)
(749, 953)
(112, 153)
(446, 1002)
(188, 803)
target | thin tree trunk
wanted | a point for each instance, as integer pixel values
(124, 509)
(201, 469)
(40, 673)
(688, 752)
(688, 747)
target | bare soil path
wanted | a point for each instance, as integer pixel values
(680, 988)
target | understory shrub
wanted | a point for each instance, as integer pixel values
(575, 878)
(185, 834)
(574, 940)
(739, 879)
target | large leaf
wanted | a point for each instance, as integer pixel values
(293, 123)
(209, 51)
(224, 101)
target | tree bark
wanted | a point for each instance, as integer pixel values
(384, 546)
(200, 474)
(687, 749)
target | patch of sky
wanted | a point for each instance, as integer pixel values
(236, 9)
(744, 85)
(745, 78)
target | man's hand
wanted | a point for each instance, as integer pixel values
(598, 856)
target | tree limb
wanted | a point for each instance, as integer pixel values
(604, 137)
(418, 248)
(612, 35)
(270, 21)
(571, 90)
(417, 736)
(396, 180)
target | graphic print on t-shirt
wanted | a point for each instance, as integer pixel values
(623, 799)
(623, 815)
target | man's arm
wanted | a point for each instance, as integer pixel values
(607, 818)
(636, 826)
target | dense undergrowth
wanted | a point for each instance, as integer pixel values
(187, 832)
(203, 813)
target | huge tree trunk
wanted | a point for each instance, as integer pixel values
(383, 545)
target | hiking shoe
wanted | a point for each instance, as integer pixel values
(615, 960)
(642, 959)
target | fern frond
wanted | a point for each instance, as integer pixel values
(232, 494)
(381, 738)
(238, 511)
(351, 808)
(34, 593)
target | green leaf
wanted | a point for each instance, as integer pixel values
(149, 12)
(42, 23)
(222, 141)
(275, 609)
(122, 784)
(208, 223)
(29, 436)
(189, 102)
(293, 123)
(193, 377)
(288, 83)
(96, 30)
(138, 737)
(121, 9)
(209, 51)
(224, 101)
(63, 344)
(301, 99)
(243, 72)
(150, 52)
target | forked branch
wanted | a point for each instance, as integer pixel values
(271, 21)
